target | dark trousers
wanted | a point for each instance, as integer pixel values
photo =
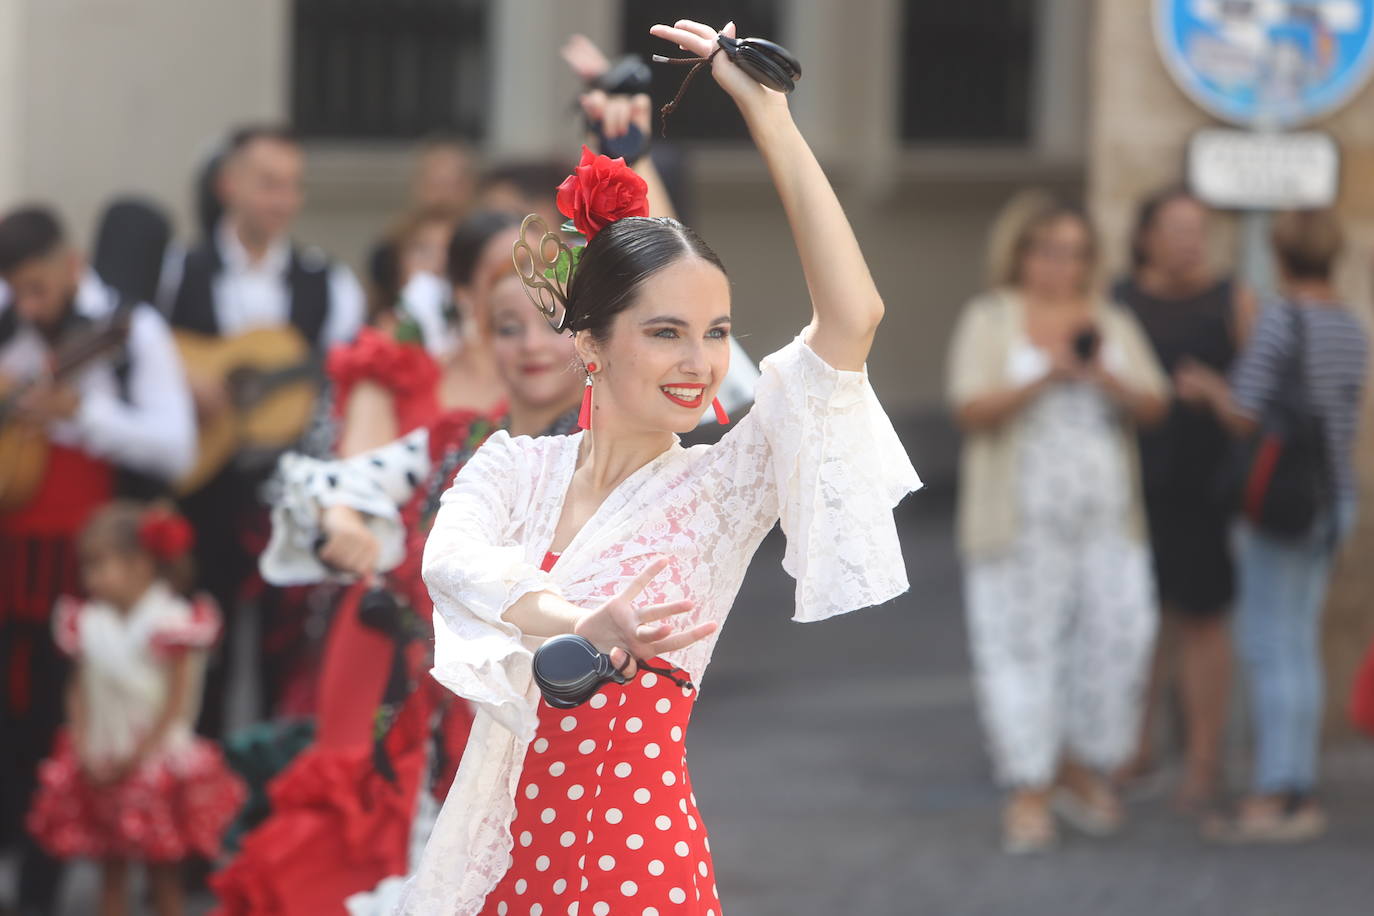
(34, 572)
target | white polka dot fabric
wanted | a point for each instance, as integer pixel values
(612, 829)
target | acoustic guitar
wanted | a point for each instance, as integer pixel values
(23, 442)
(273, 381)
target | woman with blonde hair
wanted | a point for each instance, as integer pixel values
(1048, 381)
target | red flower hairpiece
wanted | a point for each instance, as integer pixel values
(600, 191)
(165, 534)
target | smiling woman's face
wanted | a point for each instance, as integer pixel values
(537, 363)
(667, 354)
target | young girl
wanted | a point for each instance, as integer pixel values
(129, 781)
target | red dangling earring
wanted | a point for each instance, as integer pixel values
(722, 417)
(584, 416)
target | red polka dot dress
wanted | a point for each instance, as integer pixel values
(606, 823)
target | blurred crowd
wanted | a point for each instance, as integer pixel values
(1125, 515)
(1155, 477)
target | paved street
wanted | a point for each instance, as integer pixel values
(840, 770)
(839, 767)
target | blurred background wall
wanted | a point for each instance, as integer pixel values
(927, 114)
(924, 138)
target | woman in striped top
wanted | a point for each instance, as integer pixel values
(1283, 581)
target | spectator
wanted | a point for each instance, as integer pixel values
(1048, 381)
(1192, 316)
(1283, 579)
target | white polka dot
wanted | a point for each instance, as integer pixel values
(556, 768)
(677, 895)
(663, 705)
(581, 862)
(650, 911)
(676, 733)
(663, 822)
(651, 750)
(531, 791)
(634, 841)
(589, 816)
(691, 822)
(541, 863)
(568, 723)
(693, 797)
(614, 816)
(622, 770)
(707, 841)
(575, 792)
(682, 805)
(601, 908)
(641, 796)
(701, 869)
(622, 700)
(606, 863)
(572, 908)
(612, 725)
(567, 839)
(521, 886)
(681, 848)
(501, 908)
(584, 878)
(590, 836)
(629, 888)
(541, 745)
(547, 815)
(560, 885)
(599, 768)
(586, 747)
(669, 777)
(598, 792)
(598, 701)
(633, 724)
(536, 909)
(656, 868)
(649, 679)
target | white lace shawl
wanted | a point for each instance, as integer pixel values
(816, 451)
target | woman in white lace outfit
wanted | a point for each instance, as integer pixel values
(626, 538)
(1048, 382)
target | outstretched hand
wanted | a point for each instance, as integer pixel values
(628, 633)
(700, 40)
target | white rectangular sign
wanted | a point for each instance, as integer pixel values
(1249, 170)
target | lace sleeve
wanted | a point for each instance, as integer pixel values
(376, 483)
(838, 469)
(475, 570)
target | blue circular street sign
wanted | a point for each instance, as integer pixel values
(1267, 63)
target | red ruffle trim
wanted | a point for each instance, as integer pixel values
(170, 809)
(337, 828)
(404, 369)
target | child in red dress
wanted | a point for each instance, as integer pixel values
(129, 781)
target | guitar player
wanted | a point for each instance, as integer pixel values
(126, 408)
(248, 274)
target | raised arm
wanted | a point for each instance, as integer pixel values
(846, 306)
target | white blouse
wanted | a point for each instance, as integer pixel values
(816, 452)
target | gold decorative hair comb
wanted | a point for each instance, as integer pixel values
(546, 270)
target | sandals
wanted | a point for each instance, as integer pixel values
(1096, 813)
(1027, 828)
(1294, 820)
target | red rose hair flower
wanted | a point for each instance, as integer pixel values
(600, 191)
(165, 534)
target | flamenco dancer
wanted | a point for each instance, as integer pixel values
(342, 814)
(623, 537)
(130, 782)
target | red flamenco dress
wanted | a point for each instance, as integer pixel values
(610, 776)
(342, 812)
(178, 800)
